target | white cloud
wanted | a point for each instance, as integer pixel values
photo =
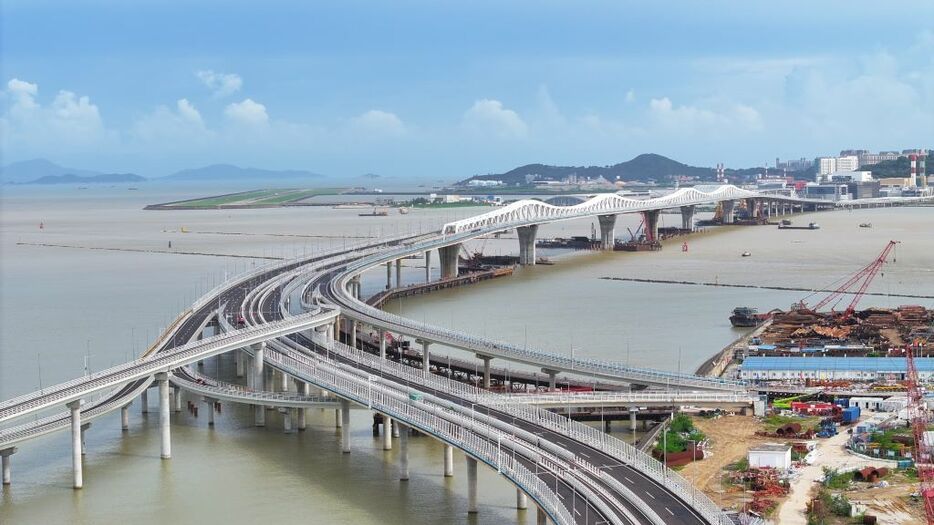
(631, 95)
(490, 117)
(247, 112)
(376, 122)
(188, 112)
(168, 129)
(694, 119)
(221, 84)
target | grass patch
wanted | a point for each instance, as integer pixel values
(772, 422)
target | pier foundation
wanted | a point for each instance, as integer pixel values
(522, 501)
(607, 231)
(164, 423)
(403, 452)
(527, 236)
(448, 256)
(345, 426)
(76, 461)
(448, 461)
(471, 485)
(687, 218)
(125, 418)
(5, 461)
(259, 382)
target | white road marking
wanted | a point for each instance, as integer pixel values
(560, 496)
(585, 455)
(629, 480)
(649, 495)
(669, 511)
(577, 512)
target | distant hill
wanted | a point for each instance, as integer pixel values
(648, 166)
(70, 178)
(29, 171)
(896, 168)
(229, 172)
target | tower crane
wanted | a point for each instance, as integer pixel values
(923, 453)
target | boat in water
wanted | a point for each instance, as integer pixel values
(865, 225)
(747, 316)
(810, 226)
(403, 210)
(746, 254)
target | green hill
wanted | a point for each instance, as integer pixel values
(896, 168)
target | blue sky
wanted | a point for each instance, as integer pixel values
(449, 89)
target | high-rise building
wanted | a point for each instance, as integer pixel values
(848, 163)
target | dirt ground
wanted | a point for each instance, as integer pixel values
(730, 438)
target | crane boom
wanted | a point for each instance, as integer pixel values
(866, 275)
(923, 454)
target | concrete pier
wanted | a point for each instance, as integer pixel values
(76, 460)
(144, 401)
(164, 424)
(177, 399)
(238, 357)
(428, 266)
(382, 344)
(448, 257)
(345, 426)
(338, 418)
(471, 485)
(651, 224)
(426, 365)
(287, 420)
(389, 275)
(125, 418)
(448, 461)
(727, 211)
(403, 452)
(607, 231)
(398, 273)
(540, 517)
(84, 438)
(687, 218)
(387, 432)
(210, 408)
(353, 333)
(486, 369)
(259, 382)
(527, 244)
(522, 501)
(633, 414)
(5, 461)
(552, 378)
(303, 412)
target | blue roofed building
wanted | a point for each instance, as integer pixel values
(832, 368)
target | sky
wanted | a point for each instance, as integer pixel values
(444, 89)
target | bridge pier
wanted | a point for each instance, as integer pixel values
(125, 417)
(522, 501)
(287, 420)
(238, 357)
(448, 256)
(177, 399)
(651, 224)
(471, 485)
(428, 266)
(448, 461)
(552, 378)
(426, 364)
(144, 401)
(403, 452)
(76, 460)
(727, 209)
(486, 369)
(387, 432)
(607, 231)
(345, 426)
(303, 412)
(259, 382)
(357, 287)
(389, 275)
(338, 422)
(382, 344)
(540, 517)
(84, 438)
(633, 416)
(527, 236)
(398, 273)
(353, 333)
(5, 460)
(687, 218)
(210, 403)
(164, 424)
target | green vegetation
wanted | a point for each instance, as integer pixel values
(739, 465)
(298, 195)
(895, 168)
(422, 202)
(886, 439)
(826, 506)
(266, 197)
(774, 421)
(680, 432)
(836, 480)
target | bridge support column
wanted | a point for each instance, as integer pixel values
(471, 485)
(552, 378)
(651, 224)
(398, 273)
(345, 426)
(358, 287)
(632, 419)
(403, 452)
(687, 218)
(426, 359)
(486, 369)
(259, 382)
(164, 423)
(522, 501)
(387, 432)
(177, 399)
(285, 381)
(382, 344)
(389, 275)
(125, 418)
(607, 231)
(448, 461)
(727, 209)
(5, 460)
(428, 266)
(303, 412)
(338, 422)
(540, 517)
(527, 236)
(211, 409)
(144, 401)
(76, 460)
(448, 256)
(238, 357)
(287, 421)
(353, 333)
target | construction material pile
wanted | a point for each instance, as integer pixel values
(766, 486)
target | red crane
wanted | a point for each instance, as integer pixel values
(923, 454)
(863, 276)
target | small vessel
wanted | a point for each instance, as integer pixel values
(865, 225)
(786, 222)
(377, 212)
(810, 226)
(403, 210)
(747, 316)
(746, 254)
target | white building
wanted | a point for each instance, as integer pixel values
(829, 165)
(851, 176)
(482, 183)
(770, 455)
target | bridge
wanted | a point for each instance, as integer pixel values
(547, 456)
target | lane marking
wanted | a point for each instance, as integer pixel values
(629, 480)
(560, 496)
(669, 511)
(585, 455)
(649, 495)
(577, 512)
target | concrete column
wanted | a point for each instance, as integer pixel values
(5, 460)
(540, 517)
(164, 424)
(287, 421)
(607, 231)
(382, 344)
(285, 382)
(76, 461)
(471, 485)
(727, 211)
(387, 432)
(428, 266)
(632, 419)
(353, 333)
(177, 399)
(338, 421)
(125, 418)
(144, 401)
(337, 328)
(345, 424)
(651, 224)
(552, 378)
(448, 256)
(238, 356)
(389, 275)
(486, 369)
(259, 382)
(522, 501)
(357, 287)
(398, 273)
(302, 419)
(403, 452)
(527, 244)
(84, 438)
(448, 461)
(210, 408)
(426, 364)
(687, 218)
